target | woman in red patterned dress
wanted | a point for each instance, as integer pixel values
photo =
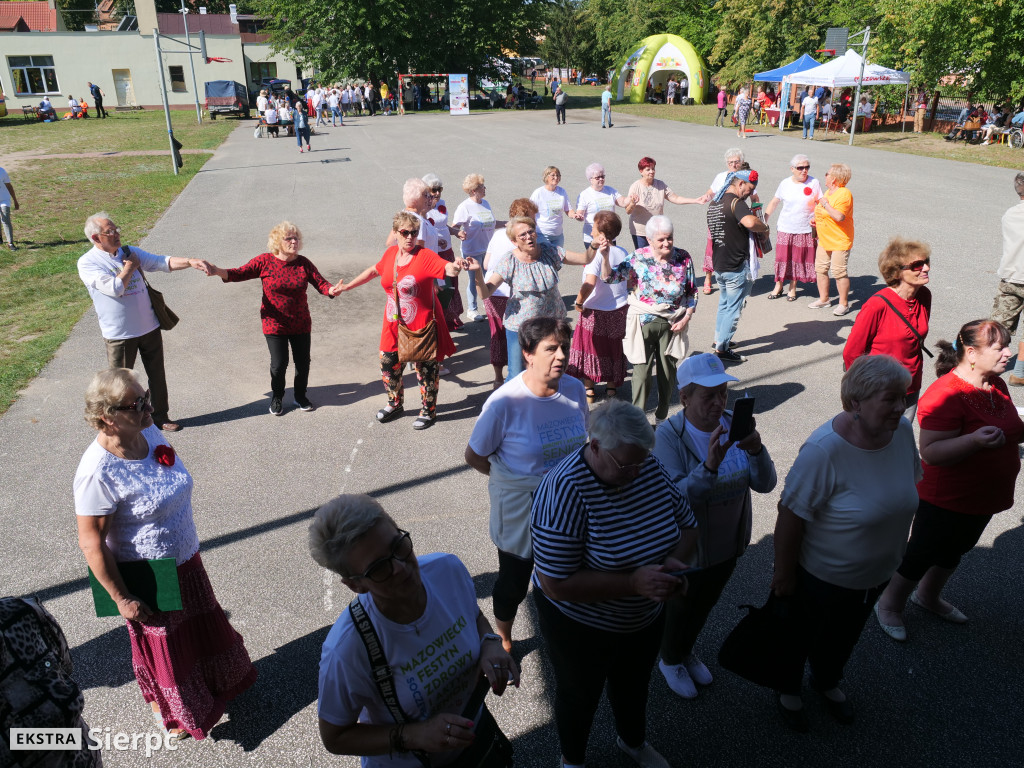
(285, 311)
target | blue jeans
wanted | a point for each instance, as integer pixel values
(515, 354)
(606, 116)
(336, 116)
(808, 125)
(639, 241)
(733, 288)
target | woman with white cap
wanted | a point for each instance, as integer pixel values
(717, 476)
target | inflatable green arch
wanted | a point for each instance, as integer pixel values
(656, 58)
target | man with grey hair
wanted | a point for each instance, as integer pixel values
(113, 275)
(1009, 301)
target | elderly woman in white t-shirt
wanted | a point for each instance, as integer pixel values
(552, 202)
(526, 427)
(842, 528)
(596, 354)
(597, 197)
(796, 239)
(476, 224)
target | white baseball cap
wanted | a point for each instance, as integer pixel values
(705, 369)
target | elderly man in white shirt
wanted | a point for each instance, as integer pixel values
(129, 325)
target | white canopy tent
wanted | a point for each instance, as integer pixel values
(845, 72)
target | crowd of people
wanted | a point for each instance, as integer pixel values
(628, 532)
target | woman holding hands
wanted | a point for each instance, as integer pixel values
(284, 311)
(552, 202)
(647, 198)
(407, 274)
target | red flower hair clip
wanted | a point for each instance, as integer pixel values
(753, 176)
(164, 455)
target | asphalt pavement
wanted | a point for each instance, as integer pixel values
(950, 696)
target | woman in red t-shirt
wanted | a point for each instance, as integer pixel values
(416, 268)
(882, 327)
(970, 433)
(284, 311)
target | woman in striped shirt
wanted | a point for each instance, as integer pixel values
(611, 534)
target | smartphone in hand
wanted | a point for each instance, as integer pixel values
(742, 419)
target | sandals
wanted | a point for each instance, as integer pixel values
(389, 413)
(791, 297)
(591, 395)
(423, 422)
(774, 295)
(707, 286)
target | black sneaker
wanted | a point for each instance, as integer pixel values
(304, 404)
(276, 407)
(728, 356)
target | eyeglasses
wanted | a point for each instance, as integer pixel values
(383, 569)
(802, 167)
(917, 266)
(139, 405)
(408, 232)
(110, 232)
(526, 235)
(734, 162)
(628, 467)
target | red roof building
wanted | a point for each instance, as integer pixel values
(38, 16)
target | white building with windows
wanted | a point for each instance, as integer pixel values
(123, 63)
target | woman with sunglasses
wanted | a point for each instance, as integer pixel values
(410, 271)
(284, 311)
(895, 320)
(133, 501)
(796, 240)
(404, 606)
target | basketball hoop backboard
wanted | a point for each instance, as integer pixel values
(836, 40)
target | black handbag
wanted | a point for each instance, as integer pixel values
(764, 647)
(490, 749)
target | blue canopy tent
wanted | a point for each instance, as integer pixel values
(776, 75)
(781, 74)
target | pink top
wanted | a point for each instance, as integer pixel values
(721, 99)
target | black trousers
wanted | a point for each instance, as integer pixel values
(559, 113)
(830, 621)
(278, 345)
(584, 659)
(939, 537)
(513, 582)
(686, 616)
(100, 111)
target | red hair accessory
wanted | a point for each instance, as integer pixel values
(164, 455)
(753, 176)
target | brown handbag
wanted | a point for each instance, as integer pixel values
(415, 346)
(163, 313)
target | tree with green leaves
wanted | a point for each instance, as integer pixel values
(353, 38)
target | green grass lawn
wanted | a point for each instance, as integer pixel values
(41, 297)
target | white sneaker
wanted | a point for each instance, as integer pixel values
(646, 757)
(698, 672)
(679, 680)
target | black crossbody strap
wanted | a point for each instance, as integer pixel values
(906, 322)
(383, 676)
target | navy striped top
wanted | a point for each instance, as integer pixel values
(580, 522)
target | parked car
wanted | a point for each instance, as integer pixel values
(226, 97)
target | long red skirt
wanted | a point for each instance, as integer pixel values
(596, 350)
(794, 257)
(495, 309)
(191, 662)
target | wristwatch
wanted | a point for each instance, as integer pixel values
(490, 636)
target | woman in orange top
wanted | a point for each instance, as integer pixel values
(833, 218)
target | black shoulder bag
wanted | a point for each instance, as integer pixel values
(913, 330)
(490, 749)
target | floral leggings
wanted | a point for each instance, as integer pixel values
(427, 374)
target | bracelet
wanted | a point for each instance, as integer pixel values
(396, 740)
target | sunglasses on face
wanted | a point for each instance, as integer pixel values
(408, 232)
(599, 176)
(138, 405)
(383, 569)
(917, 266)
(802, 167)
